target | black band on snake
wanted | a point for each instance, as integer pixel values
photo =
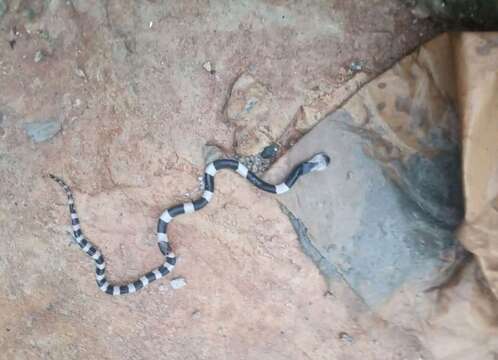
(316, 163)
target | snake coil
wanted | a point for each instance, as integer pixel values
(317, 163)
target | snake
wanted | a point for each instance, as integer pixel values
(317, 163)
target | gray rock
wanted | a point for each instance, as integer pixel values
(270, 151)
(42, 130)
(372, 232)
(196, 315)
(355, 67)
(178, 283)
(344, 336)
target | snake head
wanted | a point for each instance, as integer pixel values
(318, 162)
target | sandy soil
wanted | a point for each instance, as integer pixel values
(125, 82)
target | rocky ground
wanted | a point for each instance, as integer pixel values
(120, 98)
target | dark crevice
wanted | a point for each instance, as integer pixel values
(327, 269)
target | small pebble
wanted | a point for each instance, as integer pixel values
(270, 151)
(39, 56)
(80, 73)
(208, 67)
(178, 283)
(329, 293)
(344, 336)
(196, 315)
(356, 66)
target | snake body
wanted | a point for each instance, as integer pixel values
(316, 163)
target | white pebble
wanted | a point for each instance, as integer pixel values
(178, 283)
(208, 67)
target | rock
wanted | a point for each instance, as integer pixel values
(80, 73)
(208, 67)
(344, 336)
(178, 283)
(247, 108)
(355, 67)
(43, 130)
(3, 7)
(39, 56)
(270, 151)
(360, 221)
(196, 315)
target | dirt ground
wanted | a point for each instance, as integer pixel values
(124, 81)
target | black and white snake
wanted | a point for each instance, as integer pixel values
(316, 163)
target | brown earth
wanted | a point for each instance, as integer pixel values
(126, 83)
